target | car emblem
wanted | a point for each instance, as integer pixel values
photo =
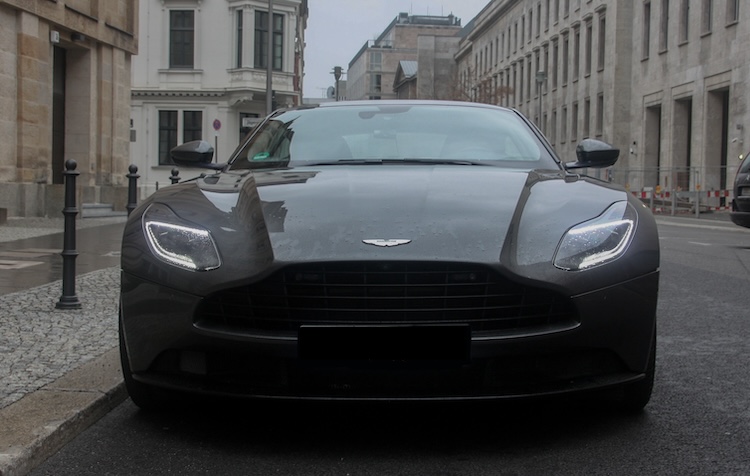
(386, 242)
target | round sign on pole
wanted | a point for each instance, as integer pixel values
(217, 124)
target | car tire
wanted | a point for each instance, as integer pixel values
(635, 396)
(146, 397)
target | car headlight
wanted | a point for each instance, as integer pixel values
(179, 242)
(597, 241)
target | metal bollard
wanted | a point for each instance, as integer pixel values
(69, 300)
(175, 176)
(132, 188)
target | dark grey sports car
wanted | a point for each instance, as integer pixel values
(390, 250)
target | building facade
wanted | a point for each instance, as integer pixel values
(566, 64)
(372, 71)
(691, 63)
(65, 93)
(202, 74)
(663, 80)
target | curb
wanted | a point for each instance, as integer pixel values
(38, 425)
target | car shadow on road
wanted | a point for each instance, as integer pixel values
(324, 427)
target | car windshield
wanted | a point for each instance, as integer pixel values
(367, 134)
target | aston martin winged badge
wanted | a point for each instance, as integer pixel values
(386, 242)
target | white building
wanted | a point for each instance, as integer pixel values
(201, 74)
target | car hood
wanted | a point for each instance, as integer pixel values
(460, 213)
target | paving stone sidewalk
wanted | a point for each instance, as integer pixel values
(40, 343)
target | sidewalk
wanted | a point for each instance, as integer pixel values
(59, 369)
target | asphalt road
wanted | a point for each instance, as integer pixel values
(698, 421)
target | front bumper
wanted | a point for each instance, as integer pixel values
(610, 345)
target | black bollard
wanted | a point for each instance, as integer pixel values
(175, 176)
(132, 188)
(69, 300)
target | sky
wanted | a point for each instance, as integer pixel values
(337, 30)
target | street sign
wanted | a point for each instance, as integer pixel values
(217, 124)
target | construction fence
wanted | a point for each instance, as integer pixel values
(678, 190)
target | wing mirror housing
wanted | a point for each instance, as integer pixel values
(595, 154)
(197, 153)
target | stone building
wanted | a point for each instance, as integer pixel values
(582, 52)
(372, 71)
(202, 74)
(691, 64)
(65, 94)
(663, 80)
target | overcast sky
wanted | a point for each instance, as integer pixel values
(337, 29)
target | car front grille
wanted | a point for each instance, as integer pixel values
(386, 293)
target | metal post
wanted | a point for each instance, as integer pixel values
(132, 188)
(697, 193)
(175, 176)
(337, 70)
(69, 300)
(269, 62)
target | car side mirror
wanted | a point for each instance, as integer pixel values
(594, 153)
(197, 153)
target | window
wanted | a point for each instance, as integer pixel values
(192, 125)
(554, 64)
(587, 117)
(565, 59)
(167, 135)
(646, 30)
(539, 19)
(181, 38)
(684, 20)
(602, 43)
(564, 125)
(706, 19)
(192, 129)
(377, 83)
(546, 17)
(261, 40)
(376, 61)
(733, 11)
(239, 15)
(531, 23)
(599, 114)
(530, 78)
(576, 52)
(574, 123)
(553, 127)
(589, 46)
(664, 26)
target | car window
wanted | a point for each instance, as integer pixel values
(393, 133)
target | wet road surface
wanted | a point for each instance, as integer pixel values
(31, 262)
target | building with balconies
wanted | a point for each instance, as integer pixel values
(202, 74)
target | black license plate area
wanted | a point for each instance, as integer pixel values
(385, 343)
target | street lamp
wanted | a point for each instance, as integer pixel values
(269, 61)
(541, 77)
(337, 70)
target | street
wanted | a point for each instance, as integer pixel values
(698, 421)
